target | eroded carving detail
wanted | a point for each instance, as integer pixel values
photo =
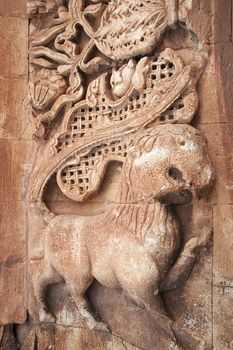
(102, 91)
(139, 228)
(68, 43)
(131, 29)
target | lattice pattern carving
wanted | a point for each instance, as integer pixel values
(101, 112)
(160, 71)
(82, 177)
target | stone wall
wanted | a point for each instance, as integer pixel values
(201, 306)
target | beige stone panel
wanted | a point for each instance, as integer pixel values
(36, 235)
(208, 96)
(14, 116)
(12, 231)
(219, 139)
(16, 8)
(191, 304)
(223, 321)
(23, 157)
(17, 159)
(5, 170)
(222, 21)
(223, 244)
(12, 262)
(220, 148)
(224, 76)
(223, 277)
(13, 49)
(223, 186)
(12, 291)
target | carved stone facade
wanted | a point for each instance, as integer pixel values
(116, 177)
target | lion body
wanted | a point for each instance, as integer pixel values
(134, 245)
(82, 246)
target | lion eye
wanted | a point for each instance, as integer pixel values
(175, 174)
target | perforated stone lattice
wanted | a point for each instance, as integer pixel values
(76, 177)
(169, 113)
(87, 118)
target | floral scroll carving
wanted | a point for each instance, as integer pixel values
(104, 87)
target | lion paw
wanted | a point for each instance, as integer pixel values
(196, 243)
(190, 247)
(205, 238)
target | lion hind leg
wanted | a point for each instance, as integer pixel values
(43, 274)
(77, 274)
(92, 323)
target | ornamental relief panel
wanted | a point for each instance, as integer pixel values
(113, 90)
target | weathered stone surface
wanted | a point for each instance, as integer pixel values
(13, 262)
(13, 8)
(223, 277)
(23, 158)
(85, 339)
(13, 244)
(222, 29)
(47, 337)
(13, 111)
(222, 319)
(223, 224)
(51, 187)
(224, 181)
(5, 179)
(13, 49)
(13, 121)
(7, 339)
(81, 176)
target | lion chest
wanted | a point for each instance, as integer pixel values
(162, 241)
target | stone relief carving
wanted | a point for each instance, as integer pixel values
(102, 91)
(134, 245)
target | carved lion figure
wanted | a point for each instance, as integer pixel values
(135, 246)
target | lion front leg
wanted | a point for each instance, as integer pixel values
(139, 277)
(181, 270)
